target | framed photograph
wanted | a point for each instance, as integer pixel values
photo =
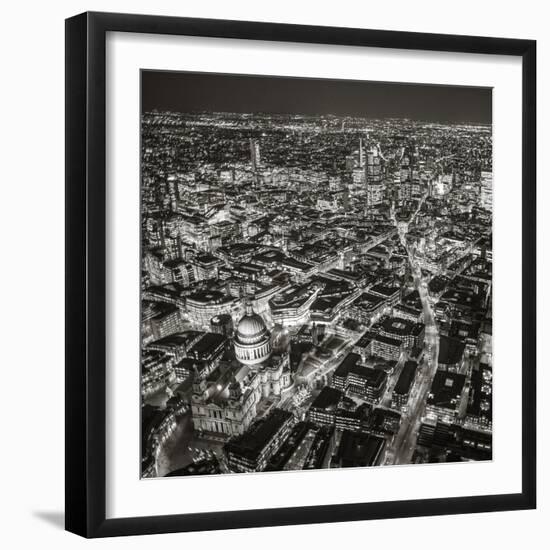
(300, 274)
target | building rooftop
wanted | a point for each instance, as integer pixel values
(451, 350)
(397, 326)
(387, 340)
(251, 443)
(157, 310)
(365, 340)
(384, 421)
(295, 296)
(209, 297)
(368, 301)
(177, 340)
(446, 389)
(384, 290)
(403, 385)
(372, 377)
(328, 399)
(480, 401)
(207, 345)
(295, 438)
(202, 467)
(359, 449)
(349, 361)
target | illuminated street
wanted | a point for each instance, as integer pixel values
(403, 445)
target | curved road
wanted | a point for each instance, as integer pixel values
(402, 448)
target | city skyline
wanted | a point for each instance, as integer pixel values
(213, 92)
(316, 290)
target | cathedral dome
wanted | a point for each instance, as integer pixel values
(252, 339)
(251, 329)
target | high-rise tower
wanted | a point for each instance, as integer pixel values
(373, 178)
(254, 154)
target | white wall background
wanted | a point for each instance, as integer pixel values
(32, 274)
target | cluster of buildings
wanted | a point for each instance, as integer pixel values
(272, 266)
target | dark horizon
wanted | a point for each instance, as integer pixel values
(202, 92)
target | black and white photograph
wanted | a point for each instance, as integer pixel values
(316, 274)
(274, 274)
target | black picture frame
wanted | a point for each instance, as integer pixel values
(86, 275)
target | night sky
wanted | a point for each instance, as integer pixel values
(192, 92)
